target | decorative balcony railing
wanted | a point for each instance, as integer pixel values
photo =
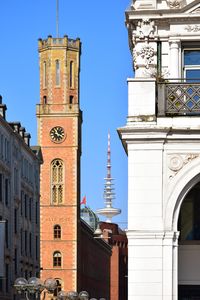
(178, 98)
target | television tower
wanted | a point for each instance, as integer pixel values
(108, 211)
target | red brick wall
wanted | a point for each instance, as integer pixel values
(56, 112)
(119, 260)
(95, 264)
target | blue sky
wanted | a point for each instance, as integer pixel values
(105, 66)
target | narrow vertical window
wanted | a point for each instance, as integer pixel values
(57, 259)
(58, 287)
(57, 232)
(36, 247)
(30, 244)
(16, 178)
(57, 72)
(71, 99)
(71, 74)
(25, 205)
(16, 262)
(7, 278)
(30, 209)
(1, 187)
(25, 241)
(22, 202)
(6, 191)
(36, 213)
(44, 74)
(22, 248)
(57, 179)
(2, 144)
(15, 220)
(44, 99)
(6, 234)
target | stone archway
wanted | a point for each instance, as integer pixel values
(189, 245)
(178, 188)
(186, 271)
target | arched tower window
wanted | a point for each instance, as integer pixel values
(44, 99)
(71, 74)
(57, 72)
(58, 287)
(57, 259)
(71, 99)
(44, 74)
(57, 231)
(57, 182)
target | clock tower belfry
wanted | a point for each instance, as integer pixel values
(59, 135)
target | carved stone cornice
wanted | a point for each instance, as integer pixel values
(192, 28)
(196, 11)
(145, 30)
(174, 4)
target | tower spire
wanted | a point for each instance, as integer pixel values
(109, 195)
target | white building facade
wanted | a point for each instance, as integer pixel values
(162, 141)
(19, 206)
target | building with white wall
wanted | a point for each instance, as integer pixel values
(19, 205)
(162, 141)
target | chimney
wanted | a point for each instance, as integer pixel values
(15, 126)
(27, 137)
(22, 131)
(3, 109)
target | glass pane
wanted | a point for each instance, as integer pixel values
(193, 75)
(187, 220)
(192, 57)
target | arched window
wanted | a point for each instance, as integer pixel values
(57, 232)
(57, 179)
(71, 99)
(71, 74)
(44, 99)
(57, 72)
(44, 74)
(58, 287)
(189, 217)
(57, 259)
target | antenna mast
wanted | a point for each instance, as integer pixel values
(57, 18)
(108, 211)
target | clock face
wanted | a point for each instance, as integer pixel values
(57, 134)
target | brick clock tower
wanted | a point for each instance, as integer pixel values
(59, 135)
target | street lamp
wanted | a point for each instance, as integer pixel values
(34, 286)
(62, 295)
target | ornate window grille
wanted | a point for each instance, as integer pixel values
(57, 182)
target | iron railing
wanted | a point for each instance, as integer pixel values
(178, 98)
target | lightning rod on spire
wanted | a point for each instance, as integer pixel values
(57, 18)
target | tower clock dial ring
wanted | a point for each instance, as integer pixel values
(57, 134)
